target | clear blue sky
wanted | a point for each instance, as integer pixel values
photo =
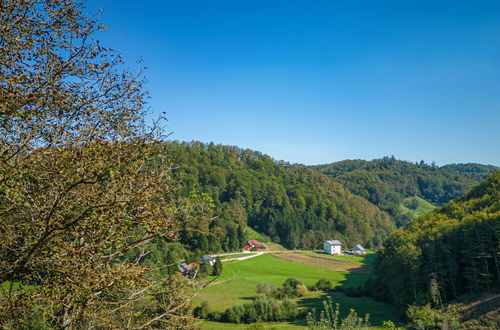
(321, 81)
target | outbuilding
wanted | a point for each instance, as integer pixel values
(358, 250)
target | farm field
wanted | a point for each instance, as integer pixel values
(350, 264)
(237, 285)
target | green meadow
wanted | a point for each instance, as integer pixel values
(238, 282)
(415, 207)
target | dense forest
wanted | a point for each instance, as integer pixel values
(386, 182)
(451, 251)
(292, 204)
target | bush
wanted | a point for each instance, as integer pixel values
(205, 269)
(215, 316)
(324, 285)
(422, 317)
(202, 311)
(267, 289)
(301, 290)
(290, 288)
(330, 318)
(289, 310)
(263, 309)
(312, 288)
(234, 314)
(217, 267)
(250, 314)
(426, 317)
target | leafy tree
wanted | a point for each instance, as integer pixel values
(84, 183)
(217, 267)
(324, 285)
(451, 251)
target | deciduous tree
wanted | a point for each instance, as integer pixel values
(83, 179)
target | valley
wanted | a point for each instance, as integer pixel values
(238, 282)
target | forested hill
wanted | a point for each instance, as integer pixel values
(293, 204)
(386, 182)
(448, 252)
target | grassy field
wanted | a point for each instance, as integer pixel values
(422, 208)
(239, 279)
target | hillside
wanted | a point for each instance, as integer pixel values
(292, 204)
(451, 251)
(387, 182)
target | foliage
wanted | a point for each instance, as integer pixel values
(294, 205)
(426, 317)
(386, 182)
(267, 289)
(263, 309)
(449, 252)
(202, 311)
(324, 285)
(329, 318)
(217, 270)
(290, 288)
(85, 184)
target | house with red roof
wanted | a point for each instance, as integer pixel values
(253, 244)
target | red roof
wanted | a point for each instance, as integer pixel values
(254, 243)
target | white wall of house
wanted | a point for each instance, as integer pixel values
(332, 249)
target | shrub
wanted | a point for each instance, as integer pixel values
(301, 290)
(324, 285)
(290, 288)
(426, 317)
(250, 314)
(202, 311)
(289, 310)
(205, 269)
(329, 318)
(263, 309)
(215, 316)
(234, 314)
(217, 267)
(267, 289)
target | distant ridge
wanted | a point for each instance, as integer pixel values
(386, 182)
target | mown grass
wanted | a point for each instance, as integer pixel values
(237, 285)
(423, 207)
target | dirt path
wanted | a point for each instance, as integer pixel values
(245, 257)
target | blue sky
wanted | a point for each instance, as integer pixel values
(321, 81)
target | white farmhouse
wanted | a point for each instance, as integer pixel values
(333, 247)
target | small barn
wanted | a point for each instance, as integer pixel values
(332, 247)
(208, 258)
(187, 270)
(358, 250)
(255, 244)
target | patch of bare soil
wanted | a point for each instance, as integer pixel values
(325, 262)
